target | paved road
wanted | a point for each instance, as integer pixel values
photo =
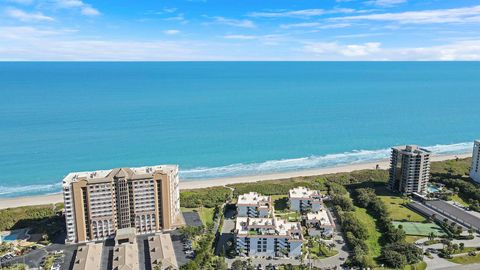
(455, 212)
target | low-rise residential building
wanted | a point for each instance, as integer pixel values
(162, 254)
(88, 257)
(254, 205)
(475, 168)
(320, 223)
(268, 237)
(302, 199)
(125, 252)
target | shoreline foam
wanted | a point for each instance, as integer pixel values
(195, 184)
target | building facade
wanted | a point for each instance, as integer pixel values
(302, 199)
(254, 205)
(475, 169)
(268, 237)
(99, 203)
(409, 169)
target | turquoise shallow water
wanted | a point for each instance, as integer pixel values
(220, 119)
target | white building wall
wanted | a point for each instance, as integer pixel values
(294, 205)
(475, 169)
(295, 249)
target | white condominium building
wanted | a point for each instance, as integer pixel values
(99, 203)
(409, 169)
(267, 237)
(475, 169)
(254, 205)
(302, 199)
(320, 222)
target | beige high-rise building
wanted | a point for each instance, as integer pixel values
(99, 203)
(409, 169)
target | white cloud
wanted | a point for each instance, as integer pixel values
(27, 16)
(234, 22)
(302, 13)
(27, 32)
(241, 37)
(89, 11)
(169, 10)
(171, 32)
(453, 15)
(316, 25)
(386, 3)
(84, 8)
(352, 50)
(460, 50)
(271, 39)
(20, 2)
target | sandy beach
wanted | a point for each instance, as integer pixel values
(193, 184)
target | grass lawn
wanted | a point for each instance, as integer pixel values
(459, 200)
(319, 252)
(289, 216)
(417, 266)
(206, 214)
(420, 229)
(466, 259)
(413, 238)
(373, 233)
(398, 212)
(280, 202)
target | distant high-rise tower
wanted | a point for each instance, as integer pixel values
(99, 203)
(410, 169)
(475, 170)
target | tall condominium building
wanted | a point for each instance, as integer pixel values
(475, 169)
(410, 169)
(302, 199)
(254, 205)
(99, 203)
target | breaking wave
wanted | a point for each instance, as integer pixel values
(311, 162)
(270, 166)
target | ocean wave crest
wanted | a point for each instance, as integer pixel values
(13, 191)
(270, 166)
(311, 162)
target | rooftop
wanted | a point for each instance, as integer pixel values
(253, 198)
(131, 173)
(266, 226)
(88, 257)
(303, 193)
(321, 216)
(411, 149)
(125, 257)
(161, 251)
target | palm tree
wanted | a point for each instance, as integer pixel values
(431, 236)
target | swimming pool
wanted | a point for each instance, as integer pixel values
(432, 189)
(11, 236)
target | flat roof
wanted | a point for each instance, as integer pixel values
(411, 149)
(267, 226)
(303, 193)
(322, 216)
(100, 176)
(253, 198)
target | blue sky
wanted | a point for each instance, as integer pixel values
(239, 30)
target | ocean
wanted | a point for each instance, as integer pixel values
(222, 119)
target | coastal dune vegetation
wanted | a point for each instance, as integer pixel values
(363, 207)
